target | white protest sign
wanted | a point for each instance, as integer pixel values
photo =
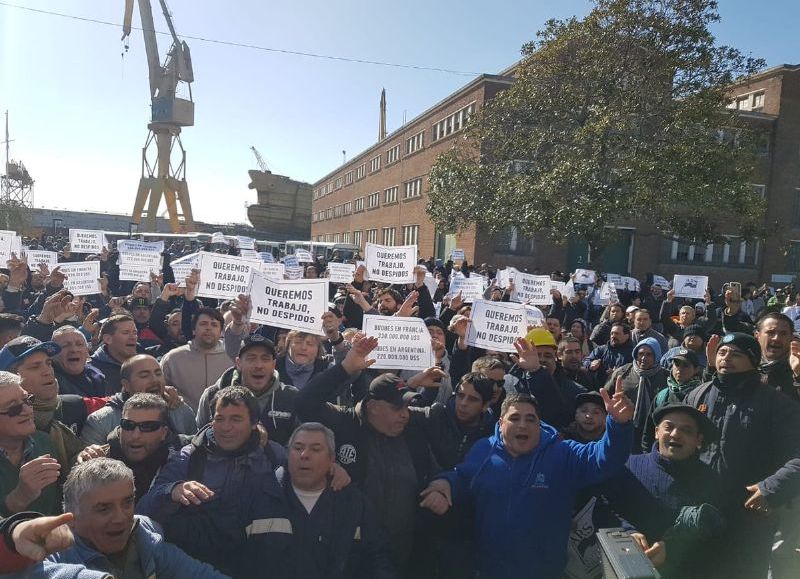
(457, 255)
(303, 256)
(569, 290)
(250, 254)
(504, 276)
(86, 241)
(535, 316)
(83, 277)
(131, 245)
(391, 264)
(471, 287)
(224, 276)
(558, 286)
(294, 272)
(585, 276)
(690, 286)
(403, 343)
(37, 256)
(431, 283)
(183, 266)
(608, 294)
(622, 282)
(218, 237)
(273, 270)
(341, 272)
(266, 257)
(660, 281)
(137, 265)
(246, 242)
(296, 305)
(10, 243)
(290, 261)
(532, 289)
(496, 325)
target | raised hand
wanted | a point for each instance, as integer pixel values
(357, 358)
(794, 358)
(170, 290)
(18, 272)
(619, 406)
(192, 284)
(456, 302)
(527, 357)
(240, 309)
(407, 309)
(56, 278)
(93, 451)
(428, 378)
(55, 306)
(711, 350)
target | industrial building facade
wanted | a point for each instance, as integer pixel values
(380, 196)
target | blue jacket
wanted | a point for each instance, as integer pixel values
(523, 505)
(158, 558)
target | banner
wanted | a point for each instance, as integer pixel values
(532, 289)
(274, 271)
(303, 256)
(296, 305)
(224, 276)
(10, 243)
(131, 245)
(585, 276)
(82, 277)
(690, 286)
(403, 343)
(391, 264)
(341, 272)
(496, 325)
(86, 241)
(471, 287)
(137, 265)
(37, 256)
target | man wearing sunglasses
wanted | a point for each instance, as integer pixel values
(28, 472)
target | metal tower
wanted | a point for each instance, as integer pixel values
(16, 184)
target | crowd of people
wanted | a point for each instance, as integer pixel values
(146, 431)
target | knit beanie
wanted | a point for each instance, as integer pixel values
(746, 343)
(694, 330)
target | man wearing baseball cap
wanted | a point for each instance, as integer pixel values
(758, 454)
(254, 368)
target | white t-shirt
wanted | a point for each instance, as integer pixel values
(308, 498)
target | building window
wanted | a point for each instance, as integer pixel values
(758, 101)
(357, 238)
(337, 184)
(375, 164)
(359, 204)
(410, 234)
(733, 252)
(361, 171)
(415, 143)
(346, 237)
(372, 236)
(388, 235)
(413, 188)
(453, 123)
(390, 195)
(348, 178)
(393, 155)
(348, 208)
(373, 200)
(337, 237)
(329, 213)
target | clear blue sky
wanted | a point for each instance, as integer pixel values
(79, 111)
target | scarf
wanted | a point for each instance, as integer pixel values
(65, 444)
(681, 390)
(644, 396)
(299, 374)
(731, 382)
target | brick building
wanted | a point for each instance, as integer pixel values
(380, 195)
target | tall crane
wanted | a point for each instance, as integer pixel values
(260, 160)
(168, 114)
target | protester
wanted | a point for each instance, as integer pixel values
(600, 334)
(73, 372)
(643, 328)
(590, 418)
(120, 342)
(774, 333)
(694, 339)
(617, 352)
(570, 358)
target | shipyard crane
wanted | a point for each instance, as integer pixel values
(169, 113)
(260, 160)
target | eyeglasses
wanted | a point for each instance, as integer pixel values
(16, 409)
(145, 426)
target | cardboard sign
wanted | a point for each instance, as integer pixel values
(86, 241)
(290, 261)
(496, 325)
(82, 277)
(303, 256)
(131, 246)
(266, 257)
(532, 289)
(224, 276)
(585, 276)
(37, 256)
(296, 305)
(690, 286)
(10, 243)
(246, 242)
(391, 264)
(457, 255)
(471, 287)
(341, 272)
(403, 343)
(273, 271)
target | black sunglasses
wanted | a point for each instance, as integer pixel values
(16, 409)
(145, 426)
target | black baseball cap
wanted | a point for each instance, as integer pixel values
(593, 397)
(687, 355)
(704, 424)
(390, 388)
(254, 340)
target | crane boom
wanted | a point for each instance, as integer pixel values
(261, 163)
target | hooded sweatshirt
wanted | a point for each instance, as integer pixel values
(192, 370)
(523, 505)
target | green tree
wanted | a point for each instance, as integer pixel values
(612, 118)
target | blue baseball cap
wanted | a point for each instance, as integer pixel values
(20, 348)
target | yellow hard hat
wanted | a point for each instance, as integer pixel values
(541, 337)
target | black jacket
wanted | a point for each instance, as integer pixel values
(339, 539)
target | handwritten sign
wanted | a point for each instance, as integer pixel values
(341, 272)
(690, 286)
(558, 286)
(660, 281)
(532, 289)
(471, 287)
(496, 325)
(224, 276)
(37, 256)
(250, 254)
(86, 241)
(273, 270)
(391, 264)
(403, 343)
(296, 305)
(82, 277)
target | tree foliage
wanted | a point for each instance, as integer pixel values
(616, 118)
